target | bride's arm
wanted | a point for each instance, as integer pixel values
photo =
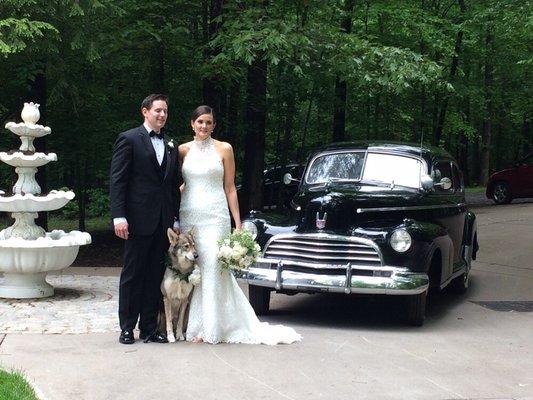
(229, 183)
(183, 149)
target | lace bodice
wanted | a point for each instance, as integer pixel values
(203, 199)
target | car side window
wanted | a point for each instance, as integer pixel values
(296, 172)
(528, 160)
(268, 176)
(442, 169)
(457, 180)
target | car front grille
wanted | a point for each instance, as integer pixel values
(322, 251)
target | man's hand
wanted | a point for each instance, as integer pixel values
(121, 230)
(176, 226)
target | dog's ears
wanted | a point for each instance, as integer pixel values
(172, 236)
(192, 231)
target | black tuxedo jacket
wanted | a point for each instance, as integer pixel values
(139, 189)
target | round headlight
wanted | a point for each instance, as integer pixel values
(400, 240)
(250, 227)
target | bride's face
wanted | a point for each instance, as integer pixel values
(203, 126)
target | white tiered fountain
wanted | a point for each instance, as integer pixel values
(27, 252)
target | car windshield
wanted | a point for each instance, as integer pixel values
(335, 167)
(393, 169)
(379, 168)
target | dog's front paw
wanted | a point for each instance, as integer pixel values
(182, 337)
(171, 338)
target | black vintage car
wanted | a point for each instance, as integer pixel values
(368, 218)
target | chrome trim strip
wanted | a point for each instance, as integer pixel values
(401, 281)
(317, 257)
(325, 237)
(457, 273)
(369, 267)
(323, 243)
(280, 247)
(365, 210)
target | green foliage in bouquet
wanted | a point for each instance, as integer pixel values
(239, 250)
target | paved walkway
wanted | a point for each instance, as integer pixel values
(82, 304)
(351, 349)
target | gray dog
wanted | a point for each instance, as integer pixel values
(181, 275)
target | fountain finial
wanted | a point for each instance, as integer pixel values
(30, 113)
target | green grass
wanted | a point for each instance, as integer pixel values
(91, 224)
(57, 221)
(13, 386)
(475, 189)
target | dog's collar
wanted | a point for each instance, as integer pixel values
(178, 274)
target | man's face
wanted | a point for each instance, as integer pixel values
(156, 116)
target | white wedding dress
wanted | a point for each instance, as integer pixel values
(219, 311)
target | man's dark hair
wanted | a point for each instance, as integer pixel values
(149, 100)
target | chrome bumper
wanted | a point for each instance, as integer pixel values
(385, 280)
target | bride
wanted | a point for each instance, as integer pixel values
(219, 310)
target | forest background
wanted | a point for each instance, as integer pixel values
(284, 76)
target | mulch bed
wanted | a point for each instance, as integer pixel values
(105, 251)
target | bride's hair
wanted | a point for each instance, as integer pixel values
(201, 110)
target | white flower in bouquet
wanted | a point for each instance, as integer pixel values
(225, 251)
(196, 276)
(238, 250)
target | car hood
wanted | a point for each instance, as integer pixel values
(502, 173)
(343, 207)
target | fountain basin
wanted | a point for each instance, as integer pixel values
(26, 262)
(28, 129)
(19, 159)
(54, 200)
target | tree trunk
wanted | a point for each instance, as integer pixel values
(233, 116)
(377, 111)
(254, 146)
(486, 136)
(81, 193)
(158, 68)
(453, 71)
(339, 113)
(463, 140)
(37, 94)
(212, 87)
(286, 143)
(301, 150)
(422, 122)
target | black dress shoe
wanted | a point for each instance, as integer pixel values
(126, 337)
(154, 337)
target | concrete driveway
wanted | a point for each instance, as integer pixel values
(477, 346)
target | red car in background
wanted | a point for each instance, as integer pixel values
(512, 183)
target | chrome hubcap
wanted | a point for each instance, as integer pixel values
(500, 192)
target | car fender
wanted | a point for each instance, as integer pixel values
(469, 234)
(439, 239)
(444, 245)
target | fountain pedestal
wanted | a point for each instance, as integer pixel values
(25, 286)
(27, 252)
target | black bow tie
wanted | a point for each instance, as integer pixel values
(160, 135)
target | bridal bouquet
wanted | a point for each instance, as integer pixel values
(239, 250)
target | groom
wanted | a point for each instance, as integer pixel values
(144, 194)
